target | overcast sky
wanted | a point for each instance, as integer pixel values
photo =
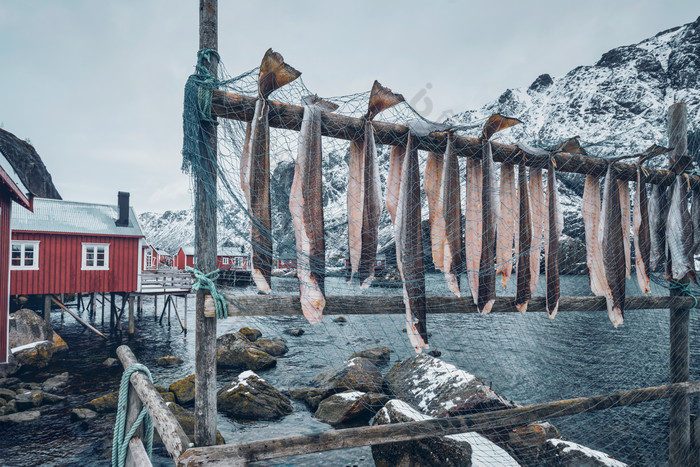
(97, 86)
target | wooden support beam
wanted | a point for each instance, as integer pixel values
(136, 455)
(271, 305)
(679, 362)
(170, 431)
(205, 235)
(78, 318)
(133, 409)
(289, 117)
(398, 432)
(47, 310)
(131, 315)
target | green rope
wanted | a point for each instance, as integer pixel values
(206, 282)
(197, 110)
(120, 441)
(684, 289)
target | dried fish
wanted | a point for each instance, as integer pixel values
(679, 232)
(591, 212)
(432, 183)
(554, 232)
(452, 213)
(613, 249)
(523, 292)
(642, 239)
(507, 221)
(473, 224)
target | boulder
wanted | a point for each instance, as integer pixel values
(462, 449)
(8, 382)
(52, 398)
(27, 327)
(3, 402)
(20, 417)
(350, 407)
(169, 361)
(82, 414)
(167, 396)
(35, 354)
(56, 383)
(111, 363)
(106, 403)
(183, 389)
(356, 374)
(10, 408)
(296, 332)
(251, 334)
(252, 398)
(7, 393)
(28, 400)
(186, 420)
(275, 346)
(376, 355)
(340, 320)
(568, 454)
(234, 350)
(312, 396)
(440, 389)
(530, 441)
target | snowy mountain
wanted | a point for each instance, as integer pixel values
(617, 106)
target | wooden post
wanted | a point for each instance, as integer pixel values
(679, 412)
(133, 409)
(205, 225)
(131, 315)
(155, 305)
(112, 309)
(103, 309)
(185, 312)
(47, 310)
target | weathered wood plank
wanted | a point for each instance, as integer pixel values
(397, 432)
(270, 305)
(205, 235)
(289, 117)
(77, 318)
(136, 455)
(170, 431)
(133, 410)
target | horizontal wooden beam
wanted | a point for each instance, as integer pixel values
(271, 305)
(289, 117)
(242, 453)
(170, 431)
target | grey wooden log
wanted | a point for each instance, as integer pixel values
(372, 435)
(271, 305)
(289, 117)
(679, 364)
(205, 225)
(133, 410)
(170, 431)
(77, 318)
(136, 455)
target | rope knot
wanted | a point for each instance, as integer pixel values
(206, 282)
(120, 442)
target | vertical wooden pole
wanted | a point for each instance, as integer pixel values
(132, 412)
(155, 305)
(205, 237)
(185, 312)
(112, 309)
(131, 315)
(47, 310)
(679, 413)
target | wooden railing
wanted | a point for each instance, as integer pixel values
(142, 393)
(172, 281)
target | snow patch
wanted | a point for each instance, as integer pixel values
(592, 453)
(350, 396)
(27, 346)
(439, 375)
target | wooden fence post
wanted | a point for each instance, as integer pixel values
(133, 409)
(679, 412)
(47, 310)
(131, 315)
(205, 225)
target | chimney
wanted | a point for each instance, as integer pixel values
(123, 201)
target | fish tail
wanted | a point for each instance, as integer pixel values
(314, 100)
(486, 307)
(521, 307)
(274, 73)
(260, 281)
(452, 283)
(312, 300)
(496, 123)
(381, 98)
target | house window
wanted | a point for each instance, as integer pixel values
(24, 255)
(95, 256)
(225, 260)
(238, 262)
(149, 258)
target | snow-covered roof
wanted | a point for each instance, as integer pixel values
(223, 251)
(55, 215)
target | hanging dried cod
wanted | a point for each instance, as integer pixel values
(523, 271)
(409, 247)
(591, 211)
(613, 248)
(364, 190)
(658, 213)
(679, 233)
(472, 224)
(489, 197)
(450, 198)
(507, 222)
(274, 73)
(306, 207)
(432, 184)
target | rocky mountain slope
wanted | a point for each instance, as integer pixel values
(617, 106)
(28, 165)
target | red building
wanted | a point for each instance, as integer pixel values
(227, 258)
(11, 189)
(74, 247)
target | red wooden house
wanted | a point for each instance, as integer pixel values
(11, 189)
(226, 258)
(150, 257)
(74, 247)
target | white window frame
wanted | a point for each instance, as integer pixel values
(149, 258)
(23, 243)
(83, 261)
(224, 260)
(238, 262)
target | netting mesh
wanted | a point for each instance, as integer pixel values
(408, 223)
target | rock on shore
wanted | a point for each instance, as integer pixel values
(250, 397)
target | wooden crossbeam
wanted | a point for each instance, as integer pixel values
(271, 305)
(242, 453)
(289, 117)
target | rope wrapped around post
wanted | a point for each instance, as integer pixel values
(120, 442)
(206, 282)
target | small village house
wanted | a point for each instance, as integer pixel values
(226, 258)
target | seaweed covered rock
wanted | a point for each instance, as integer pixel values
(376, 355)
(275, 346)
(186, 420)
(568, 454)
(350, 407)
(312, 396)
(169, 360)
(249, 397)
(35, 354)
(234, 350)
(183, 389)
(356, 374)
(251, 334)
(106, 403)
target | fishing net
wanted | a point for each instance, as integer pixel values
(525, 358)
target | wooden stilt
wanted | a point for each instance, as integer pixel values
(155, 305)
(205, 225)
(112, 310)
(185, 313)
(47, 310)
(131, 315)
(79, 301)
(679, 412)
